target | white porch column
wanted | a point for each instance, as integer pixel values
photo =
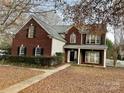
(104, 58)
(81, 39)
(78, 55)
(68, 56)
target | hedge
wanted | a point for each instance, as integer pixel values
(34, 61)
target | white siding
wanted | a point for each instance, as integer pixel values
(57, 46)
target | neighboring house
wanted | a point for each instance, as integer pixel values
(82, 45)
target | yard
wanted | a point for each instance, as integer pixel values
(77, 79)
(11, 75)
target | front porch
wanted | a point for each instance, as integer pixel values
(86, 55)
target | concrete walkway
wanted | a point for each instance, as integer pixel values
(24, 84)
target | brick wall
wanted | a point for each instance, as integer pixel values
(78, 36)
(41, 38)
(76, 32)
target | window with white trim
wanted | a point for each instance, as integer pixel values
(73, 38)
(38, 51)
(93, 39)
(92, 57)
(22, 50)
(31, 31)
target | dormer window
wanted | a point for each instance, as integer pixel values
(73, 38)
(31, 31)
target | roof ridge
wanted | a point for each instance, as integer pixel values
(48, 27)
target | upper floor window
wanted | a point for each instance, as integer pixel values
(93, 39)
(38, 51)
(31, 31)
(22, 50)
(72, 38)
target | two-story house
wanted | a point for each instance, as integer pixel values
(86, 45)
(82, 45)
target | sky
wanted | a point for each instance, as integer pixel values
(71, 1)
(110, 36)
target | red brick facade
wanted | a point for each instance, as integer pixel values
(78, 37)
(76, 32)
(41, 38)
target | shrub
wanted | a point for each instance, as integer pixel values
(33, 61)
(60, 56)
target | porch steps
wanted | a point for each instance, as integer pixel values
(88, 65)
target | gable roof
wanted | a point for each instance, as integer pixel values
(49, 29)
(61, 28)
(97, 28)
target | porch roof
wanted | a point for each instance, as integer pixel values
(94, 47)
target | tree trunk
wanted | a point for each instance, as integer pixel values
(114, 62)
(115, 58)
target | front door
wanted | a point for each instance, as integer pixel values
(72, 55)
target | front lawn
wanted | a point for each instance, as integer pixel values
(10, 75)
(77, 79)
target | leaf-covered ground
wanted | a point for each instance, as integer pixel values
(81, 80)
(12, 75)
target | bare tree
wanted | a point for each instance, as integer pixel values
(12, 10)
(118, 32)
(95, 11)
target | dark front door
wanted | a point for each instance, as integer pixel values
(72, 54)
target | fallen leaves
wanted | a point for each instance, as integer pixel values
(12, 75)
(81, 80)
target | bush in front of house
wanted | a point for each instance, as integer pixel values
(59, 57)
(33, 61)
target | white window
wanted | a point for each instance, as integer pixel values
(72, 38)
(98, 39)
(38, 51)
(93, 39)
(31, 31)
(92, 57)
(22, 50)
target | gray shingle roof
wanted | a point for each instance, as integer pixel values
(61, 28)
(49, 29)
(95, 47)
